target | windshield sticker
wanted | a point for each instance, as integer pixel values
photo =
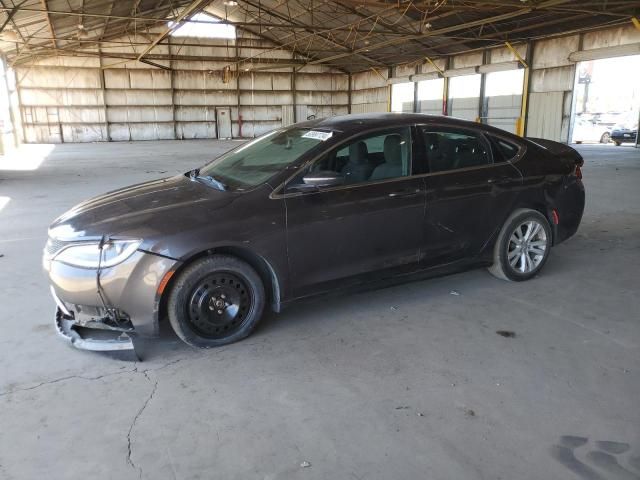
(322, 136)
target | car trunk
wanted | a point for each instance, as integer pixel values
(567, 155)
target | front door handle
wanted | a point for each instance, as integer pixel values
(405, 193)
(499, 180)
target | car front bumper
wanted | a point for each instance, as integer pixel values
(131, 292)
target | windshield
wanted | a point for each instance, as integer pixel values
(257, 161)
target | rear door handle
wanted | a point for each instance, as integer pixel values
(405, 193)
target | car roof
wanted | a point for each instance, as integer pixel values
(355, 123)
(365, 121)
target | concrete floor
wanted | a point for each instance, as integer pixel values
(404, 383)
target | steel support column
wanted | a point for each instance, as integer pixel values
(483, 108)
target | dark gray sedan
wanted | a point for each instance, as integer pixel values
(322, 206)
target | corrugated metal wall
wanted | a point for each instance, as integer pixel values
(503, 111)
(80, 99)
(75, 99)
(370, 92)
(546, 115)
(552, 74)
(550, 87)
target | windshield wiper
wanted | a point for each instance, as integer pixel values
(210, 179)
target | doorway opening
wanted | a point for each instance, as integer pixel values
(607, 101)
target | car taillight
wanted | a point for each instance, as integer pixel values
(578, 172)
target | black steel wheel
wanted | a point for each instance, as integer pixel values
(218, 305)
(215, 301)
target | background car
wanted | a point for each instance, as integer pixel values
(586, 131)
(322, 206)
(624, 134)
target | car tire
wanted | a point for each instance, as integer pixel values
(605, 138)
(515, 247)
(215, 301)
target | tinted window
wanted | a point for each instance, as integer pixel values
(371, 157)
(448, 150)
(374, 145)
(503, 150)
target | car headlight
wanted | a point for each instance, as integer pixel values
(87, 255)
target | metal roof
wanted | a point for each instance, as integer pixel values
(349, 35)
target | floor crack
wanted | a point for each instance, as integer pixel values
(98, 377)
(63, 379)
(133, 424)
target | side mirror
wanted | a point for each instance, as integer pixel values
(323, 179)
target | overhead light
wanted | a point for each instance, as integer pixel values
(82, 31)
(230, 3)
(499, 67)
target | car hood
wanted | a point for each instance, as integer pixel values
(141, 211)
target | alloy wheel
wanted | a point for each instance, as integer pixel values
(527, 246)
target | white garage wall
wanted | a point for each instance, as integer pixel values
(86, 99)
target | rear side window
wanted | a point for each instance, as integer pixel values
(449, 150)
(503, 150)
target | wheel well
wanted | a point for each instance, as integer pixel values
(538, 207)
(259, 264)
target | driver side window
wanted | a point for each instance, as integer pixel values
(372, 157)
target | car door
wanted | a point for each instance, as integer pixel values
(465, 192)
(370, 224)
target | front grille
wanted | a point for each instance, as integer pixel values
(54, 246)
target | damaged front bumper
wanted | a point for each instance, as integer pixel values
(96, 338)
(128, 308)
